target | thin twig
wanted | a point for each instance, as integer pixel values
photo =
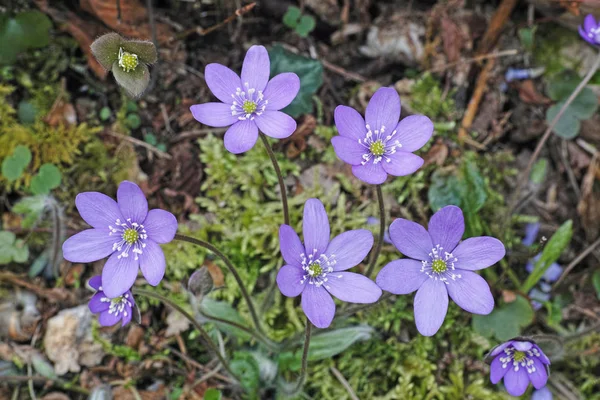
(42, 379)
(482, 57)
(576, 261)
(341, 71)
(548, 132)
(208, 341)
(233, 271)
(137, 142)
(344, 383)
(375, 255)
(196, 133)
(282, 189)
(196, 364)
(202, 32)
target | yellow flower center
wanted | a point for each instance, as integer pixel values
(315, 269)
(130, 236)
(127, 61)
(519, 356)
(377, 148)
(439, 266)
(249, 106)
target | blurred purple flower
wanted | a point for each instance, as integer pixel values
(250, 103)
(380, 146)
(438, 266)
(111, 310)
(127, 232)
(552, 273)
(519, 362)
(542, 394)
(537, 296)
(531, 232)
(590, 31)
(386, 235)
(317, 269)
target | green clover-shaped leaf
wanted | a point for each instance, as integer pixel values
(48, 178)
(506, 321)
(14, 165)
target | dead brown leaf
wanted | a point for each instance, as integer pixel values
(134, 19)
(589, 205)
(56, 396)
(452, 38)
(61, 113)
(215, 273)
(121, 393)
(509, 296)
(437, 154)
(529, 94)
(296, 143)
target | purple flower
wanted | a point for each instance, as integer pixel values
(531, 232)
(111, 310)
(553, 272)
(127, 232)
(438, 266)
(590, 31)
(316, 269)
(250, 103)
(542, 394)
(519, 361)
(381, 146)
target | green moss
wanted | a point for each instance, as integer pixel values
(428, 98)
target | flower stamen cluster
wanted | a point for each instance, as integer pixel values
(133, 236)
(317, 268)
(127, 61)
(247, 102)
(441, 265)
(118, 304)
(379, 147)
(520, 359)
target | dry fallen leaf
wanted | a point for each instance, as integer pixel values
(529, 94)
(589, 205)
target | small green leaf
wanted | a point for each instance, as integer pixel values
(26, 112)
(106, 49)
(212, 394)
(38, 265)
(105, 114)
(134, 82)
(32, 208)
(245, 367)
(223, 310)
(308, 70)
(552, 251)
(133, 121)
(506, 321)
(444, 190)
(291, 17)
(567, 126)
(538, 172)
(306, 25)
(27, 30)
(14, 165)
(527, 36)
(596, 283)
(47, 178)
(12, 249)
(150, 139)
(585, 105)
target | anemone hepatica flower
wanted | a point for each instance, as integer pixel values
(542, 394)
(111, 310)
(127, 232)
(438, 266)
(250, 103)
(380, 146)
(317, 269)
(590, 31)
(519, 361)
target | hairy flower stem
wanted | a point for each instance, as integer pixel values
(233, 271)
(302, 377)
(284, 201)
(375, 255)
(258, 336)
(203, 333)
(548, 132)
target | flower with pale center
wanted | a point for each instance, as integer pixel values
(590, 31)
(248, 103)
(127, 232)
(438, 265)
(519, 361)
(317, 269)
(127, 61)
(111, 310)
(379, 145)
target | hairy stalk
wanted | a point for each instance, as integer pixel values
(302, 377)
(548, 132)
(233, 271)
(42, 379)
(258, 336)
(375, 255)
(284, 201)
(190, 318)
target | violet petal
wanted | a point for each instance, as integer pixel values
(349, 123)
(318, 306)
(411, 239)
(241, 136)
(281, 90)
(383, 110)
(88, 246)
(276, 124)
(132, 202)
(350, 248)
(160, 225)
(291, 247)
(119, 274)
(222, 82)
(153, 263)
(414, 132)
(216, 115)
(348, 150)
(471, 292)
(431, 305)
(447, 227)
(256, 68)
(373, 174)
(402, 163)
(401, 276)
(290, 280)
(352, 287)
(315, 227)
(477, 253)
(97, 209)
